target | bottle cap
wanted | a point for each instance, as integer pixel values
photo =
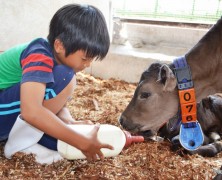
(131, 139)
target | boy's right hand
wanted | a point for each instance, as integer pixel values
(92, 149)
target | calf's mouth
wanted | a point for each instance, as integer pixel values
(136, 129)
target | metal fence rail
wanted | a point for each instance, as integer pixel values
(197, 11)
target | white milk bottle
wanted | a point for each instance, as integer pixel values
(108, 134)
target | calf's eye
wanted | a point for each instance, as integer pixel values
(145, 95)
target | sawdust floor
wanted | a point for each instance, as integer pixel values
(102, 101)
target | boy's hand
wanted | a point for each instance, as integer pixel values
(92, 149)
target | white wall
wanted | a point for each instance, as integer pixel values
(24, 20)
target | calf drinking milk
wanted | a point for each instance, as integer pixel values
(155, 106)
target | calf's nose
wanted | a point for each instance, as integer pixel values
(124, 122)
(121, 119)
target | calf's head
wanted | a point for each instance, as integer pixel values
(154, 102)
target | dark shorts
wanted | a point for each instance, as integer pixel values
(10, 99)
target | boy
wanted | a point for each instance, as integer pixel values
(37, 79)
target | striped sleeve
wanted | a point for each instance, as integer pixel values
(37, 68)
(37, 65)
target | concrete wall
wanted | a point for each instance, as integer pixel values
(24, 20)
(163, 35)
(140, 45)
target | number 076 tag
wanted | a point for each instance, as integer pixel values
(188, 105)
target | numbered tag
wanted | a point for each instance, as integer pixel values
(191, 137)
(188, 105)
(188, 112)
(187, 96)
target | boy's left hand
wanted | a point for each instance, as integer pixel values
(92, 148)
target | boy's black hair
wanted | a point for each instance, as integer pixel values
(80, 27)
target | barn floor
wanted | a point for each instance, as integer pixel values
(102, 101)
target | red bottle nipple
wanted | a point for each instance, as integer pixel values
(131, 139)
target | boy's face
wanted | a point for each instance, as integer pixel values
(77, 61)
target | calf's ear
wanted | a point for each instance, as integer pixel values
(167, 78)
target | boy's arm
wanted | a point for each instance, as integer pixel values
(33, 111)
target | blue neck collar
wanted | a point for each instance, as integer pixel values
(180, 62)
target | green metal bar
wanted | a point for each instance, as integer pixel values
(192, 16)
(156, 8)
(193, 9)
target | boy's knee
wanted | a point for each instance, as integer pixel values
(63, 75)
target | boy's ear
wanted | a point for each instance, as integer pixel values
(58, 46)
